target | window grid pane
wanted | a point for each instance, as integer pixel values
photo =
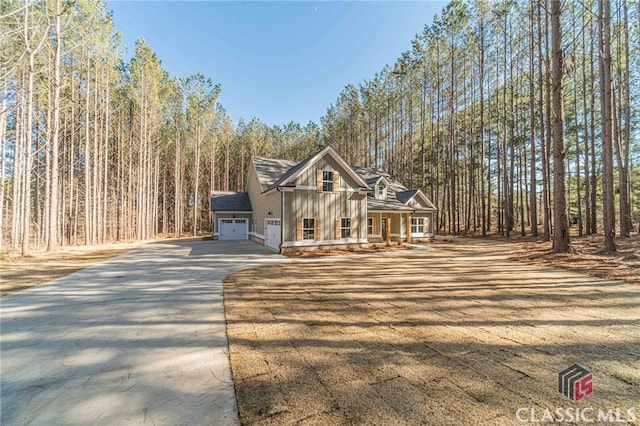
(308, 229)
(327, 181)
(417, 225)
(345, 227)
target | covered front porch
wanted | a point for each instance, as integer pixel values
(399, 226)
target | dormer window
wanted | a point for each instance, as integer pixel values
(381, 192)
(327, 181)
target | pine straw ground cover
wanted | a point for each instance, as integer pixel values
(458, 335)
(587, 257)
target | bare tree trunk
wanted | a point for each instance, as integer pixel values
(548, 130)
(592, 135)
(95, 169)
(578, 177)
(196, 210)
(18, 170)
(26, 212)
(533, 205)
(105, 161)
(606, 100)
(585, 120)
(177, 196)
(87, 179)
(52, 240)
(483, 193)
(561, 237)
(546, 234)
(3, 146)
(622, 124)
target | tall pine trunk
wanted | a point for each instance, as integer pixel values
(606, 101)
(561, 224)
(52, 240)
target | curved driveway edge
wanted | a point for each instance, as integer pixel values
(139, 338)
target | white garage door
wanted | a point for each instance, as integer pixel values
(233, 229)
(272, 233)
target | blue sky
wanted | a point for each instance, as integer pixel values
(278, 61)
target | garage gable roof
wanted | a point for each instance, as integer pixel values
(230, 202)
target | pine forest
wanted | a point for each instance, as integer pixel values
(515, 117)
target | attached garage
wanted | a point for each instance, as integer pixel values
(233, 229)
(272, 233)
(231, 215)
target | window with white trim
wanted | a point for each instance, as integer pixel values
(308, 229)
(345, 227)
(417, 225)
(327, 181)
(369, 226)
(226, 220)
(381, 192)
(254, 224)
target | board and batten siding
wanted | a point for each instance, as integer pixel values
(309, 177)
(306, 202)
(262, 204)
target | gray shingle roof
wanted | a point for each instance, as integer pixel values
(397, 194)
(270, 170)
(405, 196)
(290, 172)
(388, 204)
(272, 173)
(231, 202)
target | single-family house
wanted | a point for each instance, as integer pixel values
(320, 202)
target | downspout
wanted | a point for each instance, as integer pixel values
(281, 219)
(366, 219)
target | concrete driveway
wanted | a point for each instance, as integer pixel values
(139, 338)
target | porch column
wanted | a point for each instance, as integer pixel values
(408, 228)
(388, 219)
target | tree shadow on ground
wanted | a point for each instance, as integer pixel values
(437, 338)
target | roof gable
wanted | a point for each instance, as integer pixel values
(378, 179)
(275, 173)
(309, 162)
(426, 201)
(413, 197)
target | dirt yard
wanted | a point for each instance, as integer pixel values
(19, 273)
(459, 335)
